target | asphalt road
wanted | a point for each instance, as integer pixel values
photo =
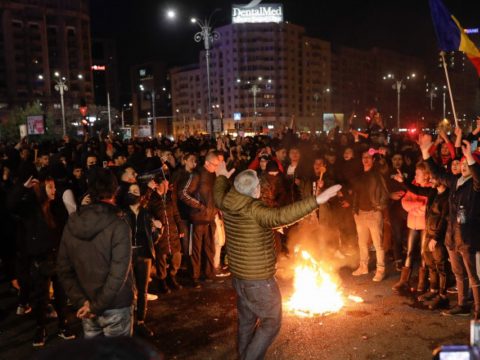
(201, 324)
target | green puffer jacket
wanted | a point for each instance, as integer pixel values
(248, 228)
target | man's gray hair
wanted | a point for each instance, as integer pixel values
(246, 182)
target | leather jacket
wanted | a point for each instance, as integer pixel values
(375, 186)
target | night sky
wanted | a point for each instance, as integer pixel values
(143, 32)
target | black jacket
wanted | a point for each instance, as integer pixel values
(94, 260)
(165, 210)
(34, 236)
(374, 184)
(436, 214)
(143, 220)
(197, 194)
(468, 196)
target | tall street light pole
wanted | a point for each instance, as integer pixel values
(154, 116)
(444, 102)
(316, 97)
(398, 85)
(109, 113)
(61, 87)
(208, 36)
(432, 94)
(255, 90)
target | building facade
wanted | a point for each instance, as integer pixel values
(151, 96)
(261, 76)
(188, 107)
(39, 38)
(265, 76)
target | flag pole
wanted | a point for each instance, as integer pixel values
(442, 55)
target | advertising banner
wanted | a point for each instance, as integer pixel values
(144, 131)
(331, 121)
(35, 125)
(257, 13)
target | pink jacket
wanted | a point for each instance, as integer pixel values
(415, 205)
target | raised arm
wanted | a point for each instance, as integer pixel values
(222, 185)
(220, 189)
(472, 164)
(417, 190)
(272, 218)
(425, 142)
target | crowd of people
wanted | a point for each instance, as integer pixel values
(107, 223)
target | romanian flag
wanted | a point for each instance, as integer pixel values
(450, 34)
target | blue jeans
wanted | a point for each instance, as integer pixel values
(259, 305)
(112, 323)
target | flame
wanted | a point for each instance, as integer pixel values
(316, 292)
(355, 299)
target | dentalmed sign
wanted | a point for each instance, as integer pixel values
(263, 13)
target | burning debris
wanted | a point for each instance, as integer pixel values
(316, 291)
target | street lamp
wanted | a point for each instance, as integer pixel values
(171, 14)
(444, 101)
(208, 36)
(124, 108)
(61, 87)
(154, 117)
(255, 89)
(399, 85)
(316, 97)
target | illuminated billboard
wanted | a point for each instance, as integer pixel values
(263, 13)
(331, 121)
(35, 125)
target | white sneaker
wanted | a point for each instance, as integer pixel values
(152, 297)
(362, 270)
(23, 309)
(379, 275)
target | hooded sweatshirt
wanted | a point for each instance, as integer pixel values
(94, 260)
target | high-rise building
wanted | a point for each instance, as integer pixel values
(37, 39)
(188, 107)
(266, 74)
(262, 75)
(105, 72)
